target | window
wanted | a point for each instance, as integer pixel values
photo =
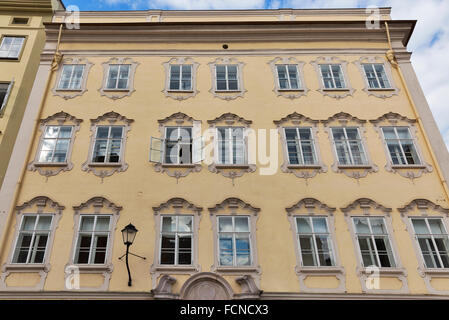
(332, 76)
(314, 241)
(5, 90)
(118, 77)
(348, 146)
(181, 77)
(20, 20)
(376, 76)
(108, 144)
(178, 145)
(401, 146)
(11, 47)
(71, 77)
(231, 145)
(32, 239)
(176, 240)
(55, 144)
(227, 77)
(433, 241)
(93, 239)
(300, 146)
(373, 242)
(234, 241)
(288, 76)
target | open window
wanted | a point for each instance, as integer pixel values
(5, 91)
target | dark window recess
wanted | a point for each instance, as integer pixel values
(3, 91)
(19, 20)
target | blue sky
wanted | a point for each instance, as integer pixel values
(429, 44)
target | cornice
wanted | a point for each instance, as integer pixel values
(226, 31)
(28, 5)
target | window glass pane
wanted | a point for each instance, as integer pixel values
(361, 225)
(102, 132)
(51, 132)
(307, 251)
(241, 224)
(28, 223)
(410, 152)
(338, 134)
(303, 225)
(185, 223)
(378, 226)
(44, 223)
(113, 75)
(225, 224)
(243, 254)
(420, 226)
(100, 151)
(367, 252)
(428, 251)
(232, 72)
(436, 226)
(352, 133)
(87, 223)
(389, 133)
(226, 251)
(116, 132)
(100, 249)
(169, 224)
(102, 224)
(396, 154)
(168, 243)
(185, 250)
(324, 251)
(403, 133)
(65, 132)
(221, 72)
(319, 225)
(84, 243)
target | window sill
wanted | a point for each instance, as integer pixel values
(106, 164)
(173, 268)
(320, 270)
(182, 165)
(384, 271)
(381, 89)
(69, 90)
(23, 267)
(181, 91)
(413, 166)
(50, 164)
(443, 272)
(232, 166)
(239, 270)
(291, 90)
(336, 89)
(93, 268)
(299, 166)
(354, 166)
(116, 90)
(227, 91)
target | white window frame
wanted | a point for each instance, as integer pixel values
(299, 146)
(372, 236)
(341, 73)
(412, 139)
(176, 234)
(7, 94)
(108, 145)
(32, 251)
(231, 145)
(432, 238)
(93, 233)
(313, 234)
(23, 39)
(43, 139)
(179, 128)
(234, 248)
(372, 65)
(69, 88)
(227, 78)
(120, 65)
(298, 78)
(351, 158)
(181, 67)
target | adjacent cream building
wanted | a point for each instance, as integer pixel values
(263, 154)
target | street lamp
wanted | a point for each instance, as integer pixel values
(129, 234)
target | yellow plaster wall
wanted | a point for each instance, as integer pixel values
(140, 188)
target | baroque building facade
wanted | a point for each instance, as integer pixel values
(158, 118)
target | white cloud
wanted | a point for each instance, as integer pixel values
(206, 4)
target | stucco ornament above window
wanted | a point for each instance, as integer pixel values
(108, 143)
(55, 146)
(234, 146)
(180, 78)
(118, 77)
(227, 78)
(299, 133)
(288, 77)
(71, 79)
(178, 151)
(377, 76)
(347, 137)
(398, 135)
(333, 77)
